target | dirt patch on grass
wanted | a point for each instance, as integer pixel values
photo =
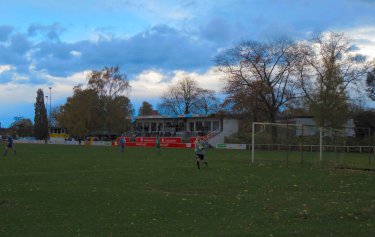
(5, 204)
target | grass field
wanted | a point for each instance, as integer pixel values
(52, 190)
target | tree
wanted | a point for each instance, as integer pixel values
(180, 98)
(22, 127)
(120, 116)
(54, 115)
(259, 78)
(145, 109)
(111, 87)
(365, 123)
(370, 84)
(102, 106)
(40, 119)
(327, 68)
(79, 113)
(206, 102)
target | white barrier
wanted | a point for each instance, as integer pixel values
(231, 146)
(64, 142)
(93, 143)
(101, 143)
(29, 141)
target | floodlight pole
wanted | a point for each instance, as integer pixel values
(50, 99)
(46, 105)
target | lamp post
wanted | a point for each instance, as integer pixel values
(47, 105)
(50, 98)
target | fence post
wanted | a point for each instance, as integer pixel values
(253, 142)
(321, 144)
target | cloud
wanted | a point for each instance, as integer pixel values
(51, 32)
(25, 93)
(14, 51)
(363, 37)
(19, 44)
(218, 29)
(151, 84)
(62, 87)
(4, 68)
(148, 85)
(5, 31)
(75, 53)
(158, 47)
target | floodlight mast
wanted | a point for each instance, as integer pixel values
(50, 99)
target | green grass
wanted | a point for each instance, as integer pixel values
(312, 159)
(52, 190)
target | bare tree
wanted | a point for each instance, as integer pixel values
(259, 76)
(370, 84)
(327, 69)
(180, 98)
(108, 82)
(207, 102)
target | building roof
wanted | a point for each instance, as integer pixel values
(173, 117)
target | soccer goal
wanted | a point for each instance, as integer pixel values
(279, 141)
(298, 144)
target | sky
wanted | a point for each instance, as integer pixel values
(48, 43)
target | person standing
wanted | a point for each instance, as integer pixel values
(157, 144)
(122, 143)
(10, 145)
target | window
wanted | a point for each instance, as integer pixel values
(207, 125)
(215, 126)
(181, 126)
(191, 126)
(153, 127)
(198, 125)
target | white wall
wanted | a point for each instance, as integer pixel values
(230, 126)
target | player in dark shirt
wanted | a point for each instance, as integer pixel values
(10, 145)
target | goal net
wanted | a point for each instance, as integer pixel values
(291, 144)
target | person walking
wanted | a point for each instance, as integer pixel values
(10, 145)
(200, 151)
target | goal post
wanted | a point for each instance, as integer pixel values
(300, 142)
(284, 135)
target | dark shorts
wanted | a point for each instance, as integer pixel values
(10, 145)
(200, 156)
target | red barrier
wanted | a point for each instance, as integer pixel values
(145, 139)
(175, 142)
(127, 139)
(162, 139)
(171, 139)
(163, 145)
